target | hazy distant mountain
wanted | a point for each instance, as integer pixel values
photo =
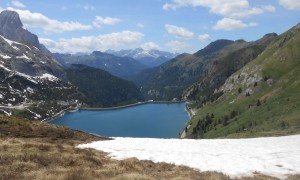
(119, 66)
(150, 58)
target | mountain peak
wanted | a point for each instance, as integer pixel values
(214, 47)
(271, 35)
(10, 19)
(11, 27)
(98, 53)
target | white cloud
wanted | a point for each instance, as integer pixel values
(140, 25)
(168, 6)
(150, 45)
(227, 8)
(232, 24)
(290, 4)
(38, 20)
(88, 7)
(269, 8)
(179, 32)
(91, 43)
(177, 46)
(18, 4)
(204, 37)
(105, 20)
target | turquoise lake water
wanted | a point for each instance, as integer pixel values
(163, 120)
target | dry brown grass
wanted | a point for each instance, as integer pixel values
(30, 150)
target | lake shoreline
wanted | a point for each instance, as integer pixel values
(130, 105)
(64, 111)
(166, 118)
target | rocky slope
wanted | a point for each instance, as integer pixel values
(32, 80)
(223, 67)
(261, 99)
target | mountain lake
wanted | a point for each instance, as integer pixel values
(151, 120)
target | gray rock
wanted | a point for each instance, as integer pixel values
(11, 28)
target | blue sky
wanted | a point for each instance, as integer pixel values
(170, 25)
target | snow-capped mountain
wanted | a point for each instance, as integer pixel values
(148, 57)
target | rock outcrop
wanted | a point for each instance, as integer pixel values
(11, 28)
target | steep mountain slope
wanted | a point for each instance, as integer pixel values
(169, 80)
(261, 99)
(12, 28)
(101, 88)
(150, 58)
(30, 77)
(119, 66)
(32, 82)
(221, 69)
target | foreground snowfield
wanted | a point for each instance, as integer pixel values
(274, 156)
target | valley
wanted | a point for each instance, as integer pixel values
(223, 82)
(150, 90)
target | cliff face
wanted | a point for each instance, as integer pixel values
(11, 28)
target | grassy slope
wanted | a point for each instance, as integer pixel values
(279, 112)
(34, 150)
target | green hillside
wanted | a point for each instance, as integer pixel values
(261, 99)
(169, 80)
(101, 88)
(224, 67)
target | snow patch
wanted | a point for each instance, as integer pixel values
(27, 77)
(6, 113)
(23, 57)
(5, 56)
(14, 42)
(16, 48)
(5, 68)
(49, 77)
(36, 115)
(274, 156)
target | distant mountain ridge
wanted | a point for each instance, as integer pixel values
(170, 79)
(118, 66)
(149, 57)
